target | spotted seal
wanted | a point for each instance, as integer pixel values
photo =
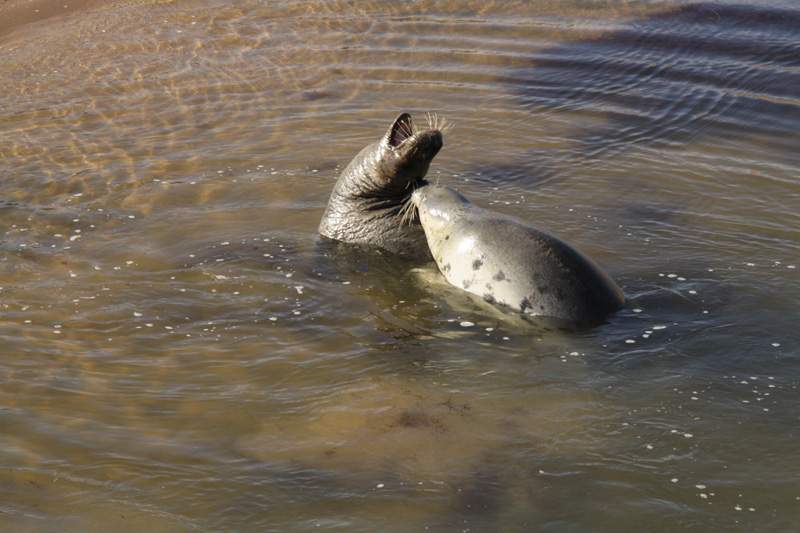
(368, 201)
(510, 263)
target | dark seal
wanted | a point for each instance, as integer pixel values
(369, 203)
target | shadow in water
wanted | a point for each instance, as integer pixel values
(699, 70)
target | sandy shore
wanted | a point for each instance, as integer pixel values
(16, 14)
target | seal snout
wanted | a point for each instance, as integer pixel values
(429, 142)
(416, 197)
(405, 137)
(423, 145)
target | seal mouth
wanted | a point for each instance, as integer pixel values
(407, 152)
(402, 130)
(409, 210)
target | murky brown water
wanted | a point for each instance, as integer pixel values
(182, 353)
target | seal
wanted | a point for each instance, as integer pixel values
(510, 263)
(370, 201)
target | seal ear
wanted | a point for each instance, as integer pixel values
(401, 130)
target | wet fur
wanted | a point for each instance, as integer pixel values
(369, 204)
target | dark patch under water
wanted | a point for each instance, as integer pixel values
(699, 70)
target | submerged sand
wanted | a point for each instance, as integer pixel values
(16, 15)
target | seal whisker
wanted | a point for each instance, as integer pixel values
(437, 123)
(408, 212)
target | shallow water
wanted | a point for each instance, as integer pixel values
(182, 353)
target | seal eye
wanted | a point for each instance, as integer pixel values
(401, 130)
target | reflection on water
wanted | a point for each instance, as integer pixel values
(181, 352)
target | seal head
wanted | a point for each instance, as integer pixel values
(368, 200)
(510, 263)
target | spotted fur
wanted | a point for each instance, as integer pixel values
(510, 263)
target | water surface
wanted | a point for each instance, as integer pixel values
(181, 352)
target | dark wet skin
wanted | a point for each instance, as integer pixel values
(366, 205)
